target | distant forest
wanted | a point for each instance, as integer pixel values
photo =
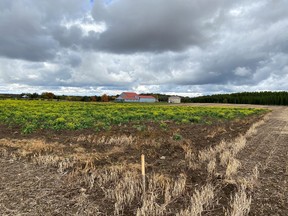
(263, 98)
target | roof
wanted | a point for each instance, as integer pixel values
(129, 96)
(146, 96)
(133, 96)
(174, 97)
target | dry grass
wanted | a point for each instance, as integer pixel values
(232, 167)
(216, 131)
(3, 152)
(107, 175)
(191, 159)
(200, 200)
(253, 128)
(30, 146)
(47, 160)
(150, 206)
(161, 186)
(251, 181)
(83, 206)
(211, 167)
(224, 156)
(240, 203)
(103, 140)
(127, 189)
(226, 152)
(207, 154)
(77, 162)
(239, 144)
(179, 185)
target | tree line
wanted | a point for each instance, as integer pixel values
(52, 96)
(261, 98)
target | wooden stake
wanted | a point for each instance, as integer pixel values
(143, 172)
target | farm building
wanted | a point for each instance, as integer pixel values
(174, 99)
(148, 99)
(134, 97)
(127, 97)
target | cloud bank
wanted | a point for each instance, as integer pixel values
(179, 47)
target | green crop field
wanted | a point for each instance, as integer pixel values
(33, 115)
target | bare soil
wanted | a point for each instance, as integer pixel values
(29, 189)
(269, 150)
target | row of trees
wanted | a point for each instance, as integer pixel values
(263, 98)
(52, 96)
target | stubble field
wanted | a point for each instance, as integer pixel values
(194, 159)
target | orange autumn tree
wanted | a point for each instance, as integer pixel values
(104, 98)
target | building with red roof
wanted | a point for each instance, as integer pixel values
(134, 97)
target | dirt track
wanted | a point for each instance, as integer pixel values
(269, 150)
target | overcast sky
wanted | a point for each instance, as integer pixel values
(185, 47)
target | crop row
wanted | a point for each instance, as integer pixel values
(33, 115)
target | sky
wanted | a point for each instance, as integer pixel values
(181, 47)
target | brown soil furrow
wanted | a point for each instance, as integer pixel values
(269, 150)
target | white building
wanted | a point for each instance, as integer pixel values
(174, 99)
(147, 99)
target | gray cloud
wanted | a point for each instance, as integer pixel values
(156, 26)
(181, 46)
(26, 27)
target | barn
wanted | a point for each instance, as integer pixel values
(127, 97)
(174, 99)
(134, 97)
